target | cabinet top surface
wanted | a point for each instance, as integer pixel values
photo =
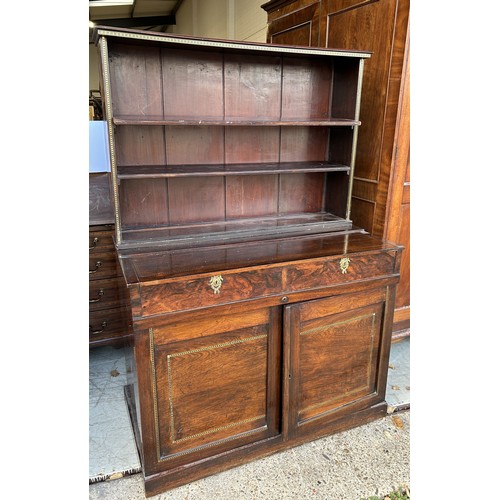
(198, 42)
(157, 264)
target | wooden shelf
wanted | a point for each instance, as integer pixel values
(158, 171)
(239, 230)
(160, 121)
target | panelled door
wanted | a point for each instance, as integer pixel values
(337, 360)
(216, 384)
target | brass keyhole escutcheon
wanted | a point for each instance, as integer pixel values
(216, 283)
(344, 264)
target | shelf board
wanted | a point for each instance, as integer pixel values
(230, 231)
(158, 171)
(160, 121)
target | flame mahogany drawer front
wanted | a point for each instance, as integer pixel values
(339, 270)
(191, 293)
(195, 293)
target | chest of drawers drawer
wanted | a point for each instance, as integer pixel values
(100, 240)
(104, 294)
(106, 326)
(107, 323)
(102, 265)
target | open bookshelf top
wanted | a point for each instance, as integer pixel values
(205, 135)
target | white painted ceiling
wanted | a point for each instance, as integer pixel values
(154, 15)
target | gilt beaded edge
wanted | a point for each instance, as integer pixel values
(233, 44)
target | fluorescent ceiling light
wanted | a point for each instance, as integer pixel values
(110, 3)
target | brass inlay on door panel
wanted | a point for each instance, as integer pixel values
(170, 396)
(359, 389)
(170, 387)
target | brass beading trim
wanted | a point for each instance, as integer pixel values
(354, 391)
(232, 44)
(109, 118)
(170, 396)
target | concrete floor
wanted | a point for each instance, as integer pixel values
(373, 459)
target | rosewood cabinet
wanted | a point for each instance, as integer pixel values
(261, 315)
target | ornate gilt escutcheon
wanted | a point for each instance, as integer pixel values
(344, 264)
(216, 283)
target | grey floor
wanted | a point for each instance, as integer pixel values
(372, 459)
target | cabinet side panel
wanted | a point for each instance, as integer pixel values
(345, 85)
(337, 186)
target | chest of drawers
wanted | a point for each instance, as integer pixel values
(107, 323)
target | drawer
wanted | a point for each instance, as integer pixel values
(324, 273)
(100, 240)
(197, 292)
(104, 294)
(107, 324)
(102, 265)
(201, 292)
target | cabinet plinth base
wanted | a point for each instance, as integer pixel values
(170, 479)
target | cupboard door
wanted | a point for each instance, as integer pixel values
(338, 357)
(216, 384)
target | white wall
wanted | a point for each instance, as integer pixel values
(228, 19)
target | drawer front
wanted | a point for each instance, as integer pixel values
(208, 291)
(100, 240)
(102, 265)
(229, 287)
(311, 275)
(104, 294)
(107, 324)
